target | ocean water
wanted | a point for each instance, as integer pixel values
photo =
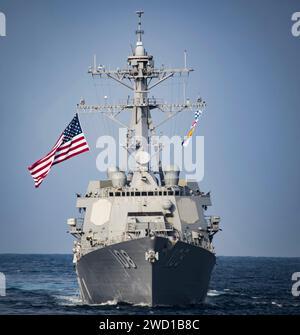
(46, 284)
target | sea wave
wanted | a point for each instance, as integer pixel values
(215, 293)
(43, 291)
(66, 300)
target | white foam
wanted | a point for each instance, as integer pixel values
(69, 300)
(108, 303)
(214, 293)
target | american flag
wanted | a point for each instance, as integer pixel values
(70, 143)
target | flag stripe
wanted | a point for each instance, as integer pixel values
(72, 142)
(57, 144)
(42, 165)
(70, 156)
(72, 146)
(62, 157)
(40, 179)
(43, 170)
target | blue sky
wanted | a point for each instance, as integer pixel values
(247, 67)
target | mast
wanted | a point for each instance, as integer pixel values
(137, 77)
(140, 111)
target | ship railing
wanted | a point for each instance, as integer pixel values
(138, 233)
(130, 192)
(133, 235)
(129, 103)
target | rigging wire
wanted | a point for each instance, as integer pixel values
(99, 90)
(108, 100)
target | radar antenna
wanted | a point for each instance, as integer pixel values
(137, 77)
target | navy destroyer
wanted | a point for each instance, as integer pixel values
(144, 237)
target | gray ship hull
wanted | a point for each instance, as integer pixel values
(179, 275)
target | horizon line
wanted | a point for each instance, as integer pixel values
(70, 254)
